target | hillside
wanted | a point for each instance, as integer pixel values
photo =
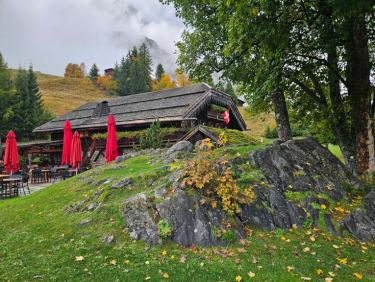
(58, 234)
(61, 95)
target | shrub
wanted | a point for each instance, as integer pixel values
(271, 133)
(165, 230)
(152, 137)
(202, 174)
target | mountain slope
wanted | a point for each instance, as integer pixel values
(61, 95)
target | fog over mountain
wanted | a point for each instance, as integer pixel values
(51, 33)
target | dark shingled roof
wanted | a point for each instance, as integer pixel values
(167, 105)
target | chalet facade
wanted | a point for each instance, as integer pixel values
(187, 109)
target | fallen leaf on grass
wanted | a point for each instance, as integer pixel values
(307, 249)
(164, 253)
(241, 250)
(113, 262)
(342, 260)
(251, 274)
(147, 278)
(79, 258)
(306, 278)
(238, 278)
(183, 259)
(358, 276)
(335, 246)
(312, 238)
(290, 268)
(328, 279)
(319, 271)
(331, 274)
(166, 275)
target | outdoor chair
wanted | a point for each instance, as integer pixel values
(64, 174)
(37, 176)
(25, 184)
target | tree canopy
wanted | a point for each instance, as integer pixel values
(318, 53)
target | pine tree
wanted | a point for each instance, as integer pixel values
(146, 68)
(6, 97)
(94, 73)
(159, 72)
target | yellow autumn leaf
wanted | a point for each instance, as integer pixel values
(147, 278)
(319, 271)
(113, 262)
(290, 268)
(164, 253)
(323, 206)
(335, 246)
(307, 249)
(79, 258)
(306, 278)
(358, 276)
(328, 279)
(342, 260)
(126, 261)
(251, 274)
(312, 238)
(331, 274)
(165, 275)
(238, 278)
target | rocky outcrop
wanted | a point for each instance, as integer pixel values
(293, 166)
(192, 223)
(177, 151)
(303, 165)
(122, 183)
(359, 225)
(140, 219)
(271, 210)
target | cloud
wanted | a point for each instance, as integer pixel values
(51, 33)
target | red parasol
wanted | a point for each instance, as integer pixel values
(111, 151)
(11, 162)
(76, 151)
(67, 145)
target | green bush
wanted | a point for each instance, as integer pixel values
(271, 133)
(165, 230)
(152, 137)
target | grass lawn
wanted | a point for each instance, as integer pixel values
(42, 242)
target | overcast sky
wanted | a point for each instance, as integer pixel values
(51, 33)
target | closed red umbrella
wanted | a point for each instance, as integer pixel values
(11, 162)
(76, 152)
(111, 151)
(67, 145)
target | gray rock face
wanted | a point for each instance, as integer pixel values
(123, 183)
(271, 210)
(85, 222)
(303, 165)
(359, 225)
(178, 150)
(108, 239)
(191, 222)
(139, 218)
(369, 204)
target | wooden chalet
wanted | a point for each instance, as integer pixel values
(186, 109)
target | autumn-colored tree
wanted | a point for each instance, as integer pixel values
(182, 79)
(165, 82)
(107, 83)
(74, 71)
(159, 72)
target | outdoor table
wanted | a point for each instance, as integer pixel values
(46, 173)
(10, 183)
(72, 172)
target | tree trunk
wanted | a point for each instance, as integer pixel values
(359, 90)
(281, 114)
(339, 123)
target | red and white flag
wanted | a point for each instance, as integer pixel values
(225, 116)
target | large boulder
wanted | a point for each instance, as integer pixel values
(192, 223)
(271, 210)
(178, 150)
(369, 204)
(303, 165)
(359, 225)
(140, 219)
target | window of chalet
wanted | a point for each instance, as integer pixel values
(102, 109)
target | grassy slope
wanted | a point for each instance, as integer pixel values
(61, 95)
(41, 241)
